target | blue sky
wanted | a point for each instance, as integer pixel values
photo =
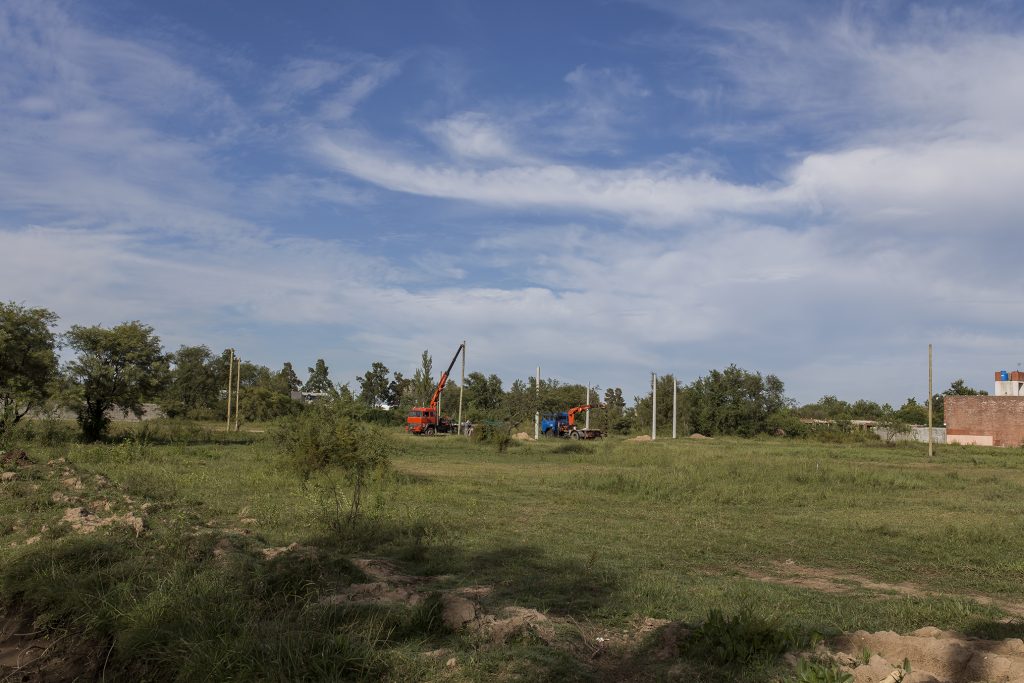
(816, 190)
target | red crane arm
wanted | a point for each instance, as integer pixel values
(444, 378)
(579, 409)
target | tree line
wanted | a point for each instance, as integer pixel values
(124, 366)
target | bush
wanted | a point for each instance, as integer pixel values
(319, 440)
(498, 434)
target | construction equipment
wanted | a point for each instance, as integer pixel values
(426, 420)
(564, 424)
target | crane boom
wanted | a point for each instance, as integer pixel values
(444, 378)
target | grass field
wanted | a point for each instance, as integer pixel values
(803, 536)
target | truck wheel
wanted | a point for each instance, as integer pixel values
(429, 431)
(574, 435)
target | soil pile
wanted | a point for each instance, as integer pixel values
(935, 656)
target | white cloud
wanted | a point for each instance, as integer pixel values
(475, 136)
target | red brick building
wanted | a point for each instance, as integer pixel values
(984, 420)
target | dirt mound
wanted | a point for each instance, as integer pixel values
(698, 435)
(934, 655)
(84, 521)
(642, 437)
(16, 457)
(522, 436)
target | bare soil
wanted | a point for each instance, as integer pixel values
(831, 581)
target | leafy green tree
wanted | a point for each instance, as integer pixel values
(398, 393)
(613, 417)
(483, 395)
(118, 367)
(828, 408)
(865, 410)
(913, 413)
(373, 386)
(193, 388)
(423, 383)
(319, 379)
(891, 424)
(733, 401)
(261, 404)
(287, 380)
(28, 360)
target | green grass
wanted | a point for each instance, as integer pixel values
(597, 534)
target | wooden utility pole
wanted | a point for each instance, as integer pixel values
(929, 400)
(462, 384)
(654, 406)
(536, 415)
(238, 390)
(231, 366)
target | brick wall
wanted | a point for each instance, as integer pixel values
(1000, 417)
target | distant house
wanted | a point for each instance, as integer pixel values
(996, 420)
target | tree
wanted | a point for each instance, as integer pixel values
(398, 390)
(373, 385)
(28, 360)
(287, 380)
(733, 401)
(193, 389)
(118, 367)
(613, 417)
(912, 413)
(422, 382)
(891, 426)
(483, 395)
(319, 380)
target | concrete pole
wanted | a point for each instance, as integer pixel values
(536, 415)
(586, 424)
(231, 367)
(238, 390)
(929, 400)
(462, 383)
(675, 394)
(654, 406)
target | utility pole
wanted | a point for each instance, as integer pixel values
(462, 384)
(586, 424)
(536, 415)
(231, 366)
(929, 400)
(675, 394)
(238, 390)
(654, 406)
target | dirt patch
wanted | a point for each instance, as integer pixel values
(934, 655)
(642, 437)
(698, 435)
(373, 593)
(27, 654)
(522, 436)
(84, 521)
(830, 581)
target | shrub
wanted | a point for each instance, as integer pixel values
(319, 440)
(498, 434)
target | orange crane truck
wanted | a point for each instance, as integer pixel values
(426, 420)
(568, 429)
